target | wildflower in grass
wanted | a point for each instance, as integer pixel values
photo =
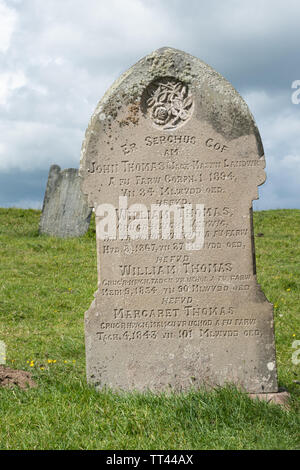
(275, 306)
(288, 290)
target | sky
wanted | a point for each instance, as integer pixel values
(58, 57)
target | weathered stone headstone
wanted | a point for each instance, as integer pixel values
(65, 211)
(171, 312)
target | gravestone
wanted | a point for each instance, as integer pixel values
(65, 211)
(170, 312)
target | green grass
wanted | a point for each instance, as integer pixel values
(48, 284)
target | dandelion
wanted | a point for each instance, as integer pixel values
(288, 290)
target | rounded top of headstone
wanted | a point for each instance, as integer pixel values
(220, 104)
(170, 91)
(55, 168)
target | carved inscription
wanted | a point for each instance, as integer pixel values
(173, 278)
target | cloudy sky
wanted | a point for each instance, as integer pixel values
(58, 57)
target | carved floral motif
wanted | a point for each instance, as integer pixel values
(169, 103)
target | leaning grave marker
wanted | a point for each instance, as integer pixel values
(173, 131)
(65, 211)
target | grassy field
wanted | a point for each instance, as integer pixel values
(47, 284)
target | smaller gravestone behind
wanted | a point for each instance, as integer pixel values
(65, 211)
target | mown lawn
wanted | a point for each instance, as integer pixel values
(47, 284)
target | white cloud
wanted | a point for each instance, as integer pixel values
(266, 103)
(109, 22)
(31, 146)
(279, 124)
(292, 162)
(9, 82)
(8, 19)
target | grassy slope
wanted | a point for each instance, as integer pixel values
(48, 284)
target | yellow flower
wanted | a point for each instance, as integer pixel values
(288, 290)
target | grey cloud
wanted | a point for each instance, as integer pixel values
(70, 52)
(23, 189)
